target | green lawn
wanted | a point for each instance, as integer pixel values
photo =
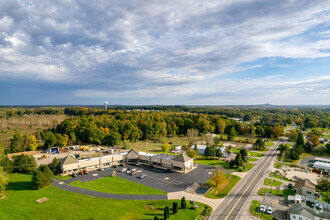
(252, 159)
(20, 204)
(59, 177)
(117, 185)
(278, 176)
(269, 143)
(255, 154)
(325, 196)
(268, 182)
(211, 162)
(284, 193)
(232, 182)
(254, 210)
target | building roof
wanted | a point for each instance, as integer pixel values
(308, 212)
(29, 153)
(164, 156)
(321, 165)
(322, 159)
(202, 147)
(69, 160)
(182, 158)
(305, 183)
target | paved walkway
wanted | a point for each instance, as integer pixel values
(68, 187)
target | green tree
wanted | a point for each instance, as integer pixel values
(300, 139)
(183, 203)
(42, 177)
(232, 133)
(191, 153)
(324, 184)
(24, 164)
(16, 143)
(6, 164)
(259, 144)
(49, 139)
(55, 166)
(239, 160)
(175, 207)
(244, 154)
(220, 126)
(113, 139)
(3, 180)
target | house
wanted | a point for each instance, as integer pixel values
(200, 148)
(299, 211)
(181, 162)
(306, 188)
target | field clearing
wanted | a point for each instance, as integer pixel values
(20, 203)
(27, 124)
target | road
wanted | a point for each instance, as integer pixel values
(235, 200)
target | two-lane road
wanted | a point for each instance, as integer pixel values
(235, 200)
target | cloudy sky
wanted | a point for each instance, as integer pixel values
(164, 52)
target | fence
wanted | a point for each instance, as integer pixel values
(325, 205)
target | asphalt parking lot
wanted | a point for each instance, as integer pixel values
(156, 178)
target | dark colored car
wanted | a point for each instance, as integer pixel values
(74, 175)
(85, 172)
(290, 186)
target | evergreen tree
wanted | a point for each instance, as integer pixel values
(175, 207)
(42, 177)
(165, 213)
(300, 139)
(183, 203)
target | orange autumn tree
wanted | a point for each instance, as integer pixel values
(219, 180)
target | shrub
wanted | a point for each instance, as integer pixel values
(42, 177)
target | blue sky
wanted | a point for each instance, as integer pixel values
(164, 52)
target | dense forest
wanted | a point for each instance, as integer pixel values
(97, 126)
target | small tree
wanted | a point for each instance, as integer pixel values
(3, 180)
(156, 218)
(24, 164)
(183, 203)
(219, 179)
(324, 184)
(55, 166)
(166, 147)
(239, 160)
(175, 207)
(259, 144)
(244, 154)
(42, 177)
(191, 153)
(165, 213)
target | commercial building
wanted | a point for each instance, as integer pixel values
(181, 163)
(306, 188)
(299, 211)
(201, 149)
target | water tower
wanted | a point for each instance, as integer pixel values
(106, 105)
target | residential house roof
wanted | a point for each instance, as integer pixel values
(308, 212)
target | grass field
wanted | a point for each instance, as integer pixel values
(27, 124)
(252, 159)
(268, 182)
(117, 185)
(255, 154)
(211, 162)
(20, 204)
(285, 193)
(232, 182)
(254, 210)
(269, 143)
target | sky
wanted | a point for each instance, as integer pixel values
(173, 52)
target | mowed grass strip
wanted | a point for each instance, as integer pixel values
(20, 204)
(117, 185)
(212, 162)
(232, 182)
(255, 154)
(268, 182)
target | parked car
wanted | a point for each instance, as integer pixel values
(133, 172)
(290, 186)
(142, 176)
(85, 172)
(262, 208)
(134, 169)
(74, 175)
(269, 210)
(318, 206)
(123, 170)
(101, 169)
(128, 171)
(138, 164)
